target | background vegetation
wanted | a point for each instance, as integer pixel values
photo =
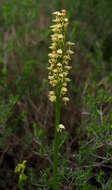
(26, 114)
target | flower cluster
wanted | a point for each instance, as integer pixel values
(59, 58)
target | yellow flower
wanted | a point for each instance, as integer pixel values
(54, 82)
(52, 98)
(50, 54)
(53, 26)
(60, 127)
(50, 77)
(63, 11)
(59, 51)
(64, 84)
(60, 36)
(67, 57)
(57, 13)
(63, 90)
(66, 19)
(55, 70)
(51, 93)
(52, 60)
(50, 68)
(61, 75)
(59, 57)
(53, 55)
(52, 47)
(69, 51)
(66, 62)
(67, 67)
(65, 73)
(70, 43)
(65, 99)
(67, 80)
(55, 29)
(56, 20)
(59, 65)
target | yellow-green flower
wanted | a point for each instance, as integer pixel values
(59, 57)
(52, 96)
(59, 51)
(70, 43)
(65, 99)
(60, 127)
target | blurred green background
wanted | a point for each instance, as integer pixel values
(27, 116)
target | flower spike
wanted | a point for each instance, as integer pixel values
(59, 57)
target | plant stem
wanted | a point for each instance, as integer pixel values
(55, 144)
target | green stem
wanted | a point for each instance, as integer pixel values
(55, 144)
(20, 186)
